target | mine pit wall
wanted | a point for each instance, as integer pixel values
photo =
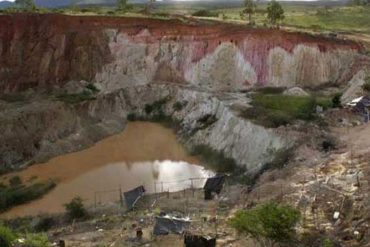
(126, 57)
(56, 128)
(46, 51)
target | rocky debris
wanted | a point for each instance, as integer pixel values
(295, 91)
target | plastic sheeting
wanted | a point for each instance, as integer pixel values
(132, 196)
(166, 224)
(213, 185)
(199, 241)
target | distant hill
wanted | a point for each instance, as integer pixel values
(6, 4)
(61, 3)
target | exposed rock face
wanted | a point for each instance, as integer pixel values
(48, 50)
(53, 128)
(128, 58)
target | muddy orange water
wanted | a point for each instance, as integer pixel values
(143, 154)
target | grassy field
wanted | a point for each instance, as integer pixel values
(314, 16)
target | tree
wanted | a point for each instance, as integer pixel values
(75, 208)
(149, 6)
(269, 224)
(250, 9)
(275, 12)
(26, 4)
(121, 4)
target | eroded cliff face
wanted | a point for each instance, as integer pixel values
(44, 51)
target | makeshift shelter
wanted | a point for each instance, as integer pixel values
(213, 185)
(199, 241)
(167, 224)
(132, 196)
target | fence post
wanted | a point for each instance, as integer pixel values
(192, 186)
(120, 197)
(95, 200)
(155, 190)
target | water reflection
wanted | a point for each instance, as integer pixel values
(123, 161)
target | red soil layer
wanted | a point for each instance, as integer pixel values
(44, 50)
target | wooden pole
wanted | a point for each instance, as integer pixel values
(120, 196)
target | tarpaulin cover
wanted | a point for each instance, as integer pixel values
(215, 184)
(362, 104)
(199, 241)
(165, 225)
(132, 196)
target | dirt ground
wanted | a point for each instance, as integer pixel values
(320, 184)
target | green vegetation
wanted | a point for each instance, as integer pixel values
(18, 193)
(250, 9)
(7, 236)
(76, 98)
(87, 94)
(314, 238)
(214, 159)
(155, 111)
(205, 13)
(178, 106)
(334, 19)
(269, 224)
(75, 209)
(28, 5)
(275, 12)
(274, 110)
(336, 102)
(14, 97)
(331, 17)
(366, 86)
(37, 240)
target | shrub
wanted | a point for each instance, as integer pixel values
(268, 224)
(366, 86)
(44, 223)
(178, 106)
(131, 117)
(92, 88)
(15, 181)
(271, 90)
(37, 240)
(336, 102)
(75, 208)
(316, 239)
(215, 159)
(328, 144)
(76, 98)
(14, 97)
(16, 195)
(205, 13)
(7, 236)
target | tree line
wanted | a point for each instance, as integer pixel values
(122, 5)
(275, 12)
